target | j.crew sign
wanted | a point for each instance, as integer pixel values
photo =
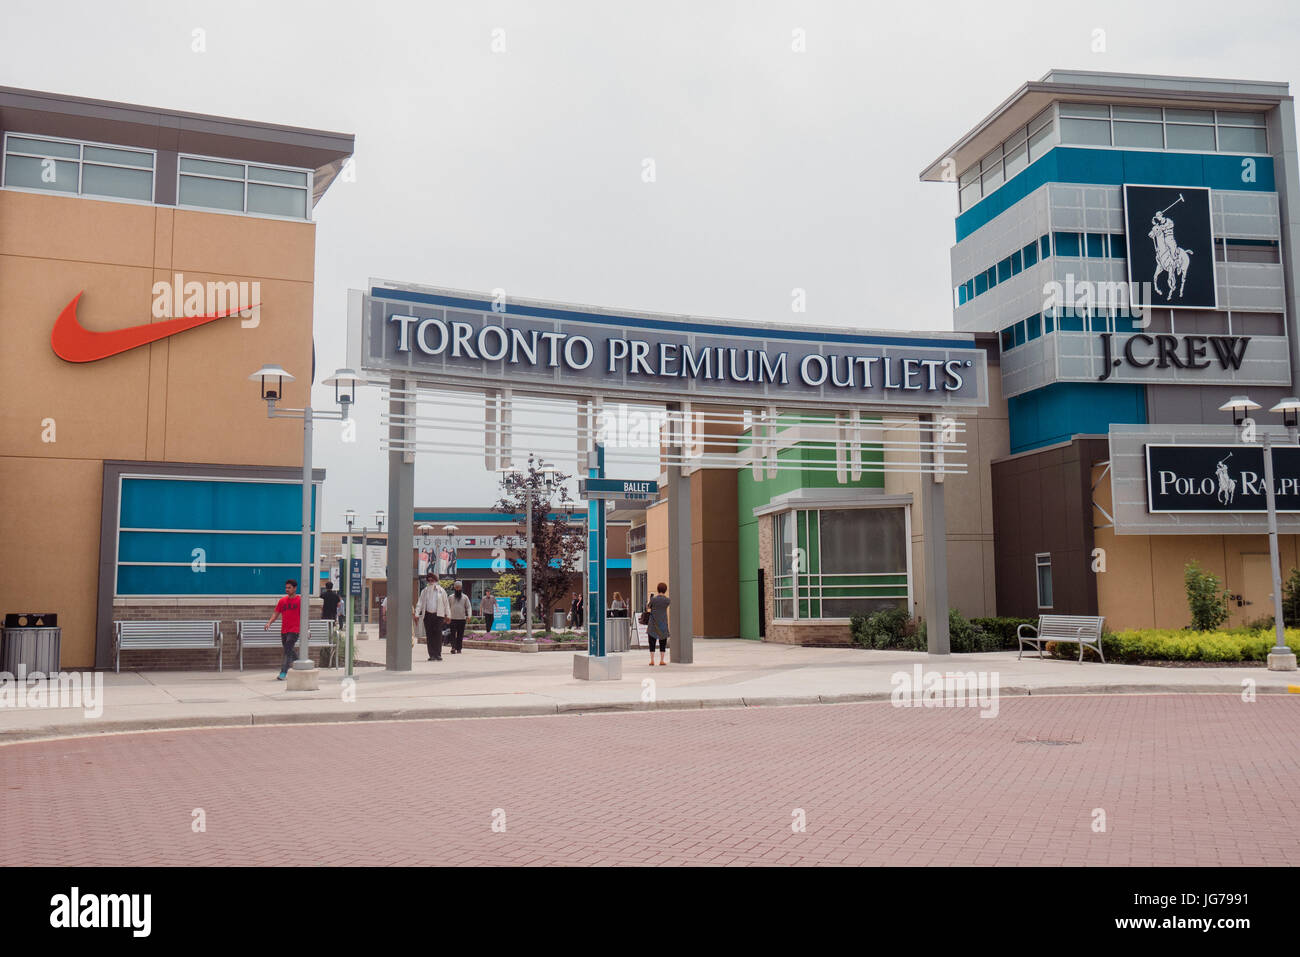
(1167, 351)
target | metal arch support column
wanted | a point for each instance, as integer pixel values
(401, 531)
(936, 549)
(681, 620)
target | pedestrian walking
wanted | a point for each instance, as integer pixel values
(433, 606)
(617, 609)
(289, 610)
(575, 611)
(459, 610)
(329, 602)
(488, 609)
(656, 620)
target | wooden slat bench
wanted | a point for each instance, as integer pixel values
(251, 633)
(1084, 630)
(166, 636)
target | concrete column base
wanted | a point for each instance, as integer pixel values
(303, 679)
(527, 646)
(1282, 662)
(591, 668)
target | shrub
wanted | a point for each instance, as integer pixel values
(1003, 629)
(964, 637)
(1206, 598)
(1170, 644)
(882, 629)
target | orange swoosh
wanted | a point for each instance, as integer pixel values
(73, 342)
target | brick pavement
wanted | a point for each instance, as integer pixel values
(1183, 779)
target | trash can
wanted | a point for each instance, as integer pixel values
(559, 621)
(618, 636)
(31, 641)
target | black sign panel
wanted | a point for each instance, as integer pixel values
(1171, 244)
(1220, 478)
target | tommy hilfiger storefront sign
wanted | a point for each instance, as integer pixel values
(1220, 478)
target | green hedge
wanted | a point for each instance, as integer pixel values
(1172, 644)
(894, 629)
(1004, 628)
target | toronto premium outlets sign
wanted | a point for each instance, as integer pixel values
(1220, 478)
(456, 338)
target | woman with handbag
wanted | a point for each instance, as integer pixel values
(655, 617)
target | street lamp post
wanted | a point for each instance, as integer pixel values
(304, 674)
(1280, 657)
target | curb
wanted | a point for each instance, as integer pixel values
(505, 710)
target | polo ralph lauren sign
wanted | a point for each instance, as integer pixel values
(465, 339)
(1220, 478)
(1171, 244)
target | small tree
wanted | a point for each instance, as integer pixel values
(1291, 599)
(1206, 597)
(509, 586)
(557, 544)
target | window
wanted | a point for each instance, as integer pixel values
(1033, 328)
(783, 544)
(79, 169)
(1008, 338)
(1004, 270)
(244, 187)
(1043, 572)
(1030, 254)
(1096, 245)
(1045, 247)
(1138, 126)
(1086, 124)
(1016, 156)
(851, 562)
(991, 171)
(1067, 244)
(1242, 132)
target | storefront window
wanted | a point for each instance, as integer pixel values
(836, 563)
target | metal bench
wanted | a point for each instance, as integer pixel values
(252, 633)
(1082, 629)
(165, 636)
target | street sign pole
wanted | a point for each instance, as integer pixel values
(347, 598)
(596, 557)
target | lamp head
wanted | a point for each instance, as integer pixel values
(271, 378)
(1239, 406)
(344, 382)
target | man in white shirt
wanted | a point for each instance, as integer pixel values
(435, 608)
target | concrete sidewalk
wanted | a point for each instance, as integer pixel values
(729, 673)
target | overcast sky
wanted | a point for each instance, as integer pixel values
(522, 169)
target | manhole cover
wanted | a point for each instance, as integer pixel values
(1054, 742)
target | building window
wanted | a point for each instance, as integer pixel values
(1043, 571)
(77, 168)
(1154, 128)
(244, 187)
(836, 563)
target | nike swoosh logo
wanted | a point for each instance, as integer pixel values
(73, 342)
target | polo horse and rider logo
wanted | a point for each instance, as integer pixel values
(1171, 259)
(1227, 484)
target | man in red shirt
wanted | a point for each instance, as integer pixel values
(290, 606)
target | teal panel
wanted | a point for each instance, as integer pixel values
(1057, 412)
